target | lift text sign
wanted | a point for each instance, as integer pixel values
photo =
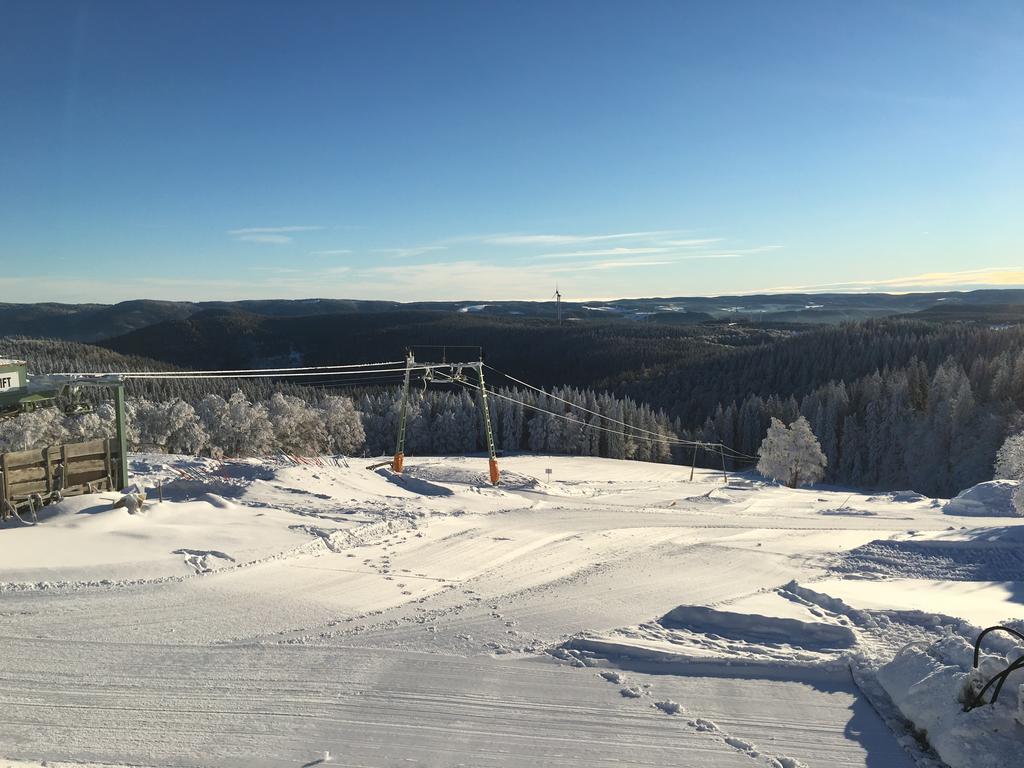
(9, 380)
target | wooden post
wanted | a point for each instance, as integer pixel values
(492, 463)
(725, 475)
(122, 437)
(693, 461)
(399, 460)
(49, 470)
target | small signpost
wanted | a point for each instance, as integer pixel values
(548, 473)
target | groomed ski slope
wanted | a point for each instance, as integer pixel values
(273, 614)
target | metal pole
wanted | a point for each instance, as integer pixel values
(493, 461)
(122, 437)
(399, 459)
(725, 475)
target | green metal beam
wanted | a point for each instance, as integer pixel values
(399, 461)
(492, 453)
(122, 436)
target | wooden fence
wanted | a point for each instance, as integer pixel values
(31, 478)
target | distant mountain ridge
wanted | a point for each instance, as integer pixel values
(96, 322)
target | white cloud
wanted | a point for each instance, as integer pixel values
(270, 230)
(272, 235)
(609, 264)
(274, 239)
(401, 253)
(693, 242)
(926, 281)
(335, 252)
(601, 252)
(571, 239)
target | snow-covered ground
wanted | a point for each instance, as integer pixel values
(610, 613)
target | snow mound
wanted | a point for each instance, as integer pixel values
(927, 685)
(668, 706)
(991, 499)
(847, 512)
(713, 496)
(901, 497)
(752, 627)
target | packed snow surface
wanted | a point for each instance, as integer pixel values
(327, 612)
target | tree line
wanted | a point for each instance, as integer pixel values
(439, 422)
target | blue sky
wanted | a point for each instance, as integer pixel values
(482, 150)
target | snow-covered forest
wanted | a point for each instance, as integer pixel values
(894, 403)
(439, 422)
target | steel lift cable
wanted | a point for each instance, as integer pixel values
(567, 418)
(732, 453)
(284, 374)
(327, 368)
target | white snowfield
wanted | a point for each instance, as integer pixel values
(614, 613)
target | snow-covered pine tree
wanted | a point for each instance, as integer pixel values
(343, 425)
(1010, 466)
(791, 454)
(1010, 458)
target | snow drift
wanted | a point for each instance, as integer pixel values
(752, 627)
(927, 685)
(991, 499)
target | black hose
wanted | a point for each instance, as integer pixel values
(977, 643)
(997, 679)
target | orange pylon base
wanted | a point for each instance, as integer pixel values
(396, 465)
(494, 471)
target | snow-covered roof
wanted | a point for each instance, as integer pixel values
(5, 361)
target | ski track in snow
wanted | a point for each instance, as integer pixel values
(329, 615)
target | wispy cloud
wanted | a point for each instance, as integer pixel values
(926, 281)
(335, 252)
(602, 252)
(666, 260)
(402, 253)
(609, 264)
(760, 249)
(270, 230)
(698, 256)
(272, 235)
(257, 238)
(571, 239)
(693, 242)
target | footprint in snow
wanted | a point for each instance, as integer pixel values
(199, 560)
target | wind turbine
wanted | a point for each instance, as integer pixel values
(558, 303)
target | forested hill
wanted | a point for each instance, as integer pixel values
(917, 403)
(799, 363)
(598, 352)
(895, 404)
(94, 322)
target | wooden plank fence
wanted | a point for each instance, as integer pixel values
(31, 478)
